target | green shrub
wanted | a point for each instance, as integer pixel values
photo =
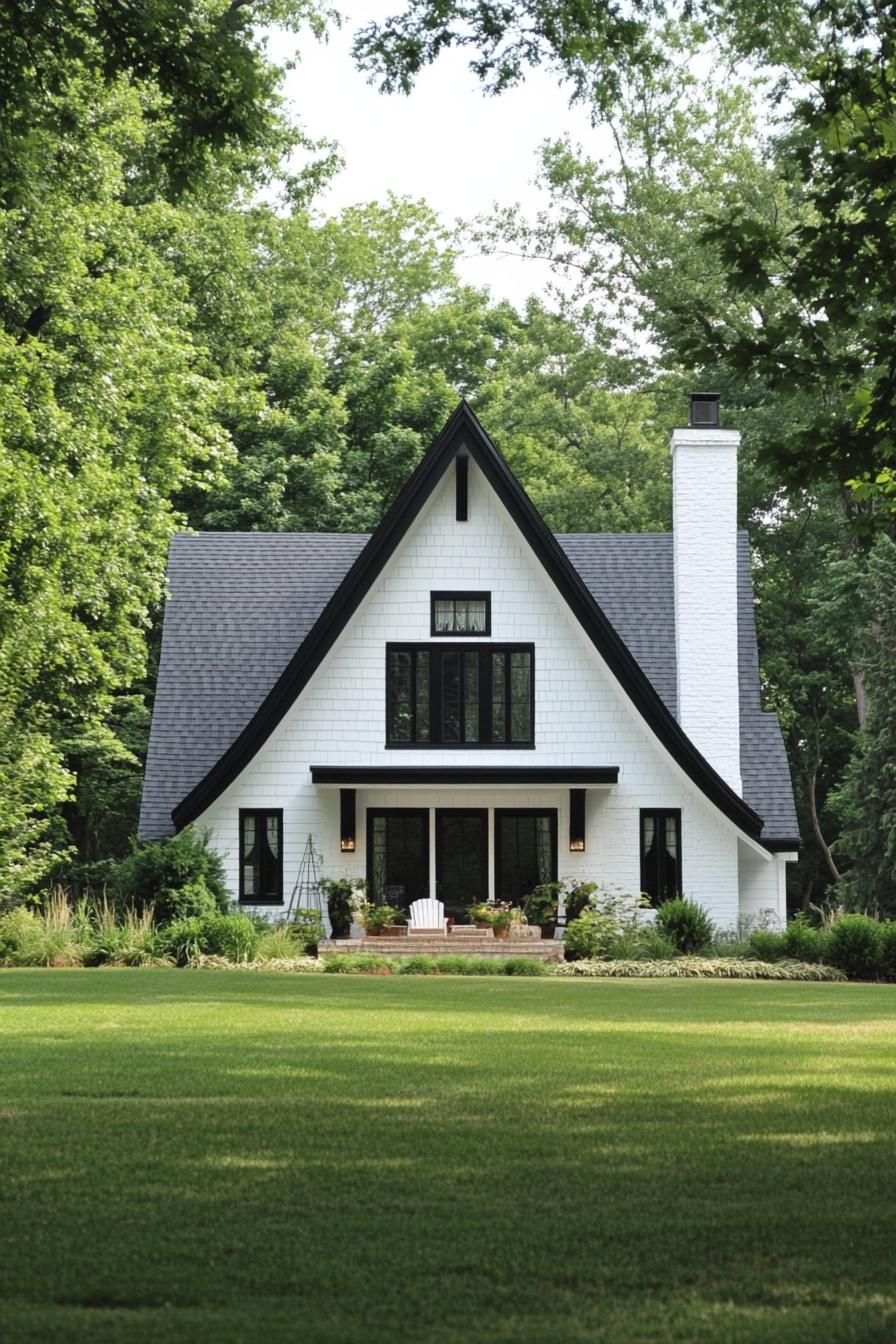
(685, 924)
(855, 947)
(358, 963)
(803, 942)
(55, 935)
(182, 941)
(767, 946)
(231, 936)
(182, 878)
(299, 937)
(122, 938)
(420, 964)
(700, 968)
(525, 966)
(888, 949)
(641, 942)
(543, 903)
(591, 935)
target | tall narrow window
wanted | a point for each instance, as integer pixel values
(661, 854)
(261, 857)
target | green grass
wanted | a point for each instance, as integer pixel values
(203, 1156)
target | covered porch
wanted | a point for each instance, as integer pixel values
(463, 834)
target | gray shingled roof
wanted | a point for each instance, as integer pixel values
(241, 603)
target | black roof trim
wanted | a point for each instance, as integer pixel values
(782, 846)
(463, 432)
(464, 774)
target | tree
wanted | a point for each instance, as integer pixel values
(867, 801)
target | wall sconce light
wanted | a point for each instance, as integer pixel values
(577, 821)
(347, 820)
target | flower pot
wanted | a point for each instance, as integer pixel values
(395, 930)
(500, 933)
(548, 930)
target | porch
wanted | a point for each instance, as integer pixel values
(461, 835)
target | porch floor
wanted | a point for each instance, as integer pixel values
(441, 945)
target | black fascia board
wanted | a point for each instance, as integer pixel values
(464, 432)
(464, 774)
(776, 846)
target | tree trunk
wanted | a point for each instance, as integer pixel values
(811, 774)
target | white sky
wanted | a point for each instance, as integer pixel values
(447, 143)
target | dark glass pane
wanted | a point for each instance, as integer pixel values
(499, 715)
(649, 858)
(543, 849)
(461, 860)
(378, 861)
(525, 855)
(471, 697)
(247, 857)
(450, 697)
(269, 844)
(422, 696)
(520, 697)
(671, 880)
(399, 860)
(399, 696)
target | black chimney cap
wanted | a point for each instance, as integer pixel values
(705, 410)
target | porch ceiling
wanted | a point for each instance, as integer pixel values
(562, 777)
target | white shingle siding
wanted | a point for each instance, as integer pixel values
(704, 532)
(582, 718)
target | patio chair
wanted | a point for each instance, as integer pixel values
(427, 917)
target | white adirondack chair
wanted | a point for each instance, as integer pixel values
(427, 917)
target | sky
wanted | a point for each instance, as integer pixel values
(446, 143)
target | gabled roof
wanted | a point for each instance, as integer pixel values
(334, 573)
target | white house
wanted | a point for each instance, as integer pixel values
(464, 704)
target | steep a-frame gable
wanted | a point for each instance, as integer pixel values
(463, 436)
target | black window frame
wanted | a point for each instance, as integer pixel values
(500, 813)
(659, 816)
(456, 596)
(260, 815)
(485, 654)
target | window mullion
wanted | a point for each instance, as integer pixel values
(485, 696)
(435, 696)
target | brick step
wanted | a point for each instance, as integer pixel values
(543, 950)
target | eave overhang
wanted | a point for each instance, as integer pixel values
(464, 434)
(360, 776)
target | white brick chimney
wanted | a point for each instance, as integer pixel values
(704, 523)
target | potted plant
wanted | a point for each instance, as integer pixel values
(518, 922)
(541, 907)
(576, 897)
(481, 914)
(382, 919)
(341, 897)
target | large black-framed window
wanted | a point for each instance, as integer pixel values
(525, 851)
(661, 853)
(261, 856)
(460, 614)
(397, 855)
(460, 695)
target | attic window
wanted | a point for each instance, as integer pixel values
(461, 464)
(460, 613)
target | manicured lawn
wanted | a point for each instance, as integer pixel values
(221, 1157)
